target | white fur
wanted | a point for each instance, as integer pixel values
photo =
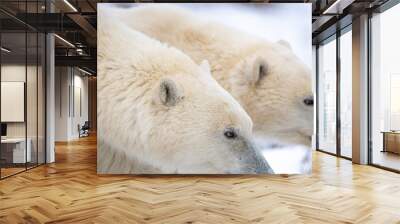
(275, 103)
(138, 133)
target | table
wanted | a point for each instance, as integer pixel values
(391, 141)
(13, 150)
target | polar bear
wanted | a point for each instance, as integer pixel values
(267, 79)
(159, 112)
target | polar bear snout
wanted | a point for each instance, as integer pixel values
(261, 164)
(252, 160)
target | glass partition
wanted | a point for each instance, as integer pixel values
(13, 95)
(32, 95)
(22, 77)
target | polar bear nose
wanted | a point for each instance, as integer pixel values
(309, 101)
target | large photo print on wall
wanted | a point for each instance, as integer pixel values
(204, 88)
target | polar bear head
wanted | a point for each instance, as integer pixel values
(157, 107)
(274, 87)
(195, 126)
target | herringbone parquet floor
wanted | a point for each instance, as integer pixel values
(70, 191)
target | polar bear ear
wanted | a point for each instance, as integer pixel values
(260, 71)
(285, 44)
(205, 66)
(169, 93)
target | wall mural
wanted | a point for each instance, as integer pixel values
(204, 88)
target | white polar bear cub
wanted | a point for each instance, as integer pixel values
(267, 79)
(159, 112)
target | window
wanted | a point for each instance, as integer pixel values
(346, 93)
(327, 97)
(385, 89)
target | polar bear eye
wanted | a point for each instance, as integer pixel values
(230, 133)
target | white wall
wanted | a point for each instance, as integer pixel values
(79, 117)
(34, 125)
(12, 73)
(62, 81)
(70, 83)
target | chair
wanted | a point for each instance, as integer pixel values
(84, 130)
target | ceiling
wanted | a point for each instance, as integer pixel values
(76, 20)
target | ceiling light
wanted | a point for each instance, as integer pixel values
(337, 7)
(84, 71)
(70, 5)
(5, 50)
(65, 41)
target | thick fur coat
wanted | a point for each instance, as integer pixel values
(267, 79)
(159, 112)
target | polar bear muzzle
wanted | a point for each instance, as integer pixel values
(251, 158)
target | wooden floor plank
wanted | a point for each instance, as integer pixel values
(70, 191)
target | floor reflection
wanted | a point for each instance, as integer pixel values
(386, 159)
